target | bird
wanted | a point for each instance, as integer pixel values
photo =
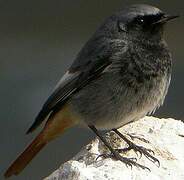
(120, 75)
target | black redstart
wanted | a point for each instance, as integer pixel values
(120, 75)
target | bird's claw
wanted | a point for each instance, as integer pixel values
(129, 162)
(142, 150)
(139, 149)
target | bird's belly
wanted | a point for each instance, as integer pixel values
(114, 104)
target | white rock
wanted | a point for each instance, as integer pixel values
(166, 137)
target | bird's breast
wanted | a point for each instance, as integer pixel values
(111, 101)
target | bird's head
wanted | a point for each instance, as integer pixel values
(138, 22)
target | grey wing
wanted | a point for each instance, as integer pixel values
(67, 86)
(91, 61)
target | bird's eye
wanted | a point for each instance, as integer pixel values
(140, 20)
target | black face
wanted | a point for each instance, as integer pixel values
(146, 23)
(141, 19)
(137, 22)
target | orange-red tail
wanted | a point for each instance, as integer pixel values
(20, 163)
(53, 128)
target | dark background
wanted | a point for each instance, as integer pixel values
(38, 40)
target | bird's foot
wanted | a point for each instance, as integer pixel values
(129, 162)
(115, 153)
(141, 150)
(138, 149)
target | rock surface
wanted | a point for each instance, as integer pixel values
(166, 137)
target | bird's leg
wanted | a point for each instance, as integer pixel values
(115, 154)
(136, 148)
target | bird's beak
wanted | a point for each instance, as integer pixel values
(166, 18)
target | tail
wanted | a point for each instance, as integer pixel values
(53, 128)
(27, 155)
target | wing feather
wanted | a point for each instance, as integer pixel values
(90, 63)
(68, 85)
